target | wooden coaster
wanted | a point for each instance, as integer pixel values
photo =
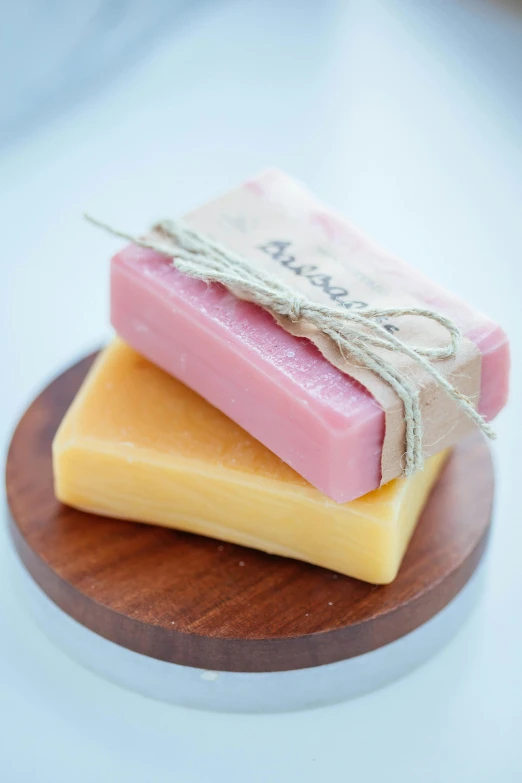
(196, 601)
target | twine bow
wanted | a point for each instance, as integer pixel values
(356, 335)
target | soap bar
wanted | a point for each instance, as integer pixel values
(137, 444)
(276, 386)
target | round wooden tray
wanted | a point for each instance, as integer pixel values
(195, 601)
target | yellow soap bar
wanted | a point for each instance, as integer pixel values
(137, 444)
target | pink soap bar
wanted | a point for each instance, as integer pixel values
(276, 386)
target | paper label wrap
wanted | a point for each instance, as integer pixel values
(273, 241)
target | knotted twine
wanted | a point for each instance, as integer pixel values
(356, 335)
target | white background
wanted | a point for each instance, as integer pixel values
(406, 115)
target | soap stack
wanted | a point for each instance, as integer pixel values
(205, 415)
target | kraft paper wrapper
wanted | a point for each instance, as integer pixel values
(251, 226)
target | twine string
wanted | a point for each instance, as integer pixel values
(357, 335)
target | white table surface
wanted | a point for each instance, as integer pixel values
(406, 116)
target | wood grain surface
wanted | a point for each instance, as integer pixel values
(199, 602)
